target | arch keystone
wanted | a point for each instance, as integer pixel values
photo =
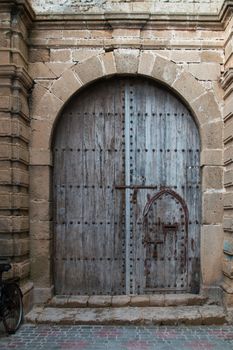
(126, 61)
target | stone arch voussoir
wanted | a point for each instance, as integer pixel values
(125, 61)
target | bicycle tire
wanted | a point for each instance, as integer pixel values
(13, 307)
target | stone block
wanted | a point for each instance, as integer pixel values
(227, 110)
(188, 87)
(21, 269)
(39, 55)
(109, 64)
(125, 33)
(20, 223)
(5, 102)
(89, 70)
(5, 201)
(21, 247)
(212, 56)
(20, 129)
(212, 157)
(40, 70)
(20, 201)
(41, 133)
(157, 300)
(40, 210)
(212, 208)
(58, 68)
(41, 229)
(228, 132)
(79, 55)
(228, 224)
(126, 60)
(211, 253)
(40, 156)
(5, 151)
(212, 135)
(60, 55)
(5, 127)
(40, 183)
(146, 63)
(227, 266)
(20, 177)
(228, 178)
(5, 56)
(65, 86)
(120, 300)
(40, 262)
(77, 300)
(140, 300)
(6, 247)
(228, 155)
(181, 56)
(99, 301)
(47, 108)
(212, 177)
(5, 176)
(20, 153)
(206, 109)
(228, 200)
(164, 70)
(205, 71)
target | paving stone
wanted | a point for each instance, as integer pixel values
(74, 337)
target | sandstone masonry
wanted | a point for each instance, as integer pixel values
(49, 54)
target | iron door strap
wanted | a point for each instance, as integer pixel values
(134, 187)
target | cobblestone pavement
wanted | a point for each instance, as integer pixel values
(51, 337)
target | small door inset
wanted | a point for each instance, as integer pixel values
(165, 237)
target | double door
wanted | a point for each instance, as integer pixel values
(126, 190)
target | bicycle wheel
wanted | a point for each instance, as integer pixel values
(13, 307)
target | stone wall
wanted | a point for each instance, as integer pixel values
(14, 140)
(65, 58)
(63, 53)
(164, 6)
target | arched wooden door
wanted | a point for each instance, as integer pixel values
(117, 145)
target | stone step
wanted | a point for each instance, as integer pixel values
(126, 300)
(195, 315)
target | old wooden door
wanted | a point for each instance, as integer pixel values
(126, 192)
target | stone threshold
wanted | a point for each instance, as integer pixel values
(100, 301)
(188, 315)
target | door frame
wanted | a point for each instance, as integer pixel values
(200, 101)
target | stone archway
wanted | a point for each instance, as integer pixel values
(47, 108)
